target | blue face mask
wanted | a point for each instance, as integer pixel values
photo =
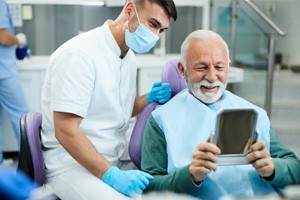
(142, 39)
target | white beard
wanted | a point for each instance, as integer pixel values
(208, 97)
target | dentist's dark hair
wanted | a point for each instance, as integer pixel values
(168, 5)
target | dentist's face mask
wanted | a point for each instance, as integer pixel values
(142, 39)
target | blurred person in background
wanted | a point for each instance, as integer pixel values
(12, 99)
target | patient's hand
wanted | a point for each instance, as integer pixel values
(261, 160)
(204, 160)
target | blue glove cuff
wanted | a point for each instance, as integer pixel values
(149, 98)
(110, 176)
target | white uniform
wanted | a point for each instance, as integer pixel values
(86, 77)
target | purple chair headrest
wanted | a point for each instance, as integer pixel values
(170, 75)
(33, 123)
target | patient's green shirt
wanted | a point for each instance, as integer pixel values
(155, 162)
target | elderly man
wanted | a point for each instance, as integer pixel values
(184, 160)
(89, 96)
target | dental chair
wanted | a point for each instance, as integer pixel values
(31, 161)
(171, 75)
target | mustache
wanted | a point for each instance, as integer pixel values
(205, 83)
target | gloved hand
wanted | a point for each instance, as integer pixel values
(15, 186)
(22, 39)
(129, 182)
(160, 92)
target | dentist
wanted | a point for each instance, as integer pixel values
(89, 96)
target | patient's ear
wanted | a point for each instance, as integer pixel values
(229, 63)
(181, 70)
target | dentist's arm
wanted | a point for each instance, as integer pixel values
(70, 136)
(68, 133)
(139, 104)
(160, 93)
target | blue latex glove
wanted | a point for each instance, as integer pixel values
(160, 92)
(129, 182)
(14, 185)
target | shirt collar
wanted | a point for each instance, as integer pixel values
(112, 43)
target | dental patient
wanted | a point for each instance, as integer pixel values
(184, 160)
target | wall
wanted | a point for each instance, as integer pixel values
(251, 41)
(52, 25)
(288, 17)
(286, 14)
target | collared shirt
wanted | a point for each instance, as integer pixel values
(86, 77)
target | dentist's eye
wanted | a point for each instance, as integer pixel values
(154, 25)
(162, 30)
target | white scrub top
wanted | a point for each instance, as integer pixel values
(86, 77)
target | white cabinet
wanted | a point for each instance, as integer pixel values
(146, 78)
(31, 73)
(31, 83)
(149, 70)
